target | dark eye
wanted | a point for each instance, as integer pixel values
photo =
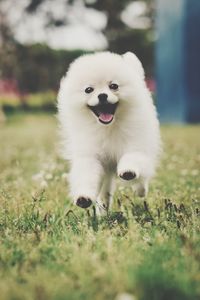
(113, 86)
(89, 90)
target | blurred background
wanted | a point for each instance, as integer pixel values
(39, 39)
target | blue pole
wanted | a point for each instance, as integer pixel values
(177, 60)
(192, 60)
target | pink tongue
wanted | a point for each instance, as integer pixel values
(105, 117)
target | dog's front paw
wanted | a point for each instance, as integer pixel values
(128, 175)
(83, 202)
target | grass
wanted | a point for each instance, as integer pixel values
(145, 249)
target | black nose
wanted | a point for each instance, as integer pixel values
(103, 98)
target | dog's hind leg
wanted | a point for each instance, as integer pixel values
(141, 188)
(105, 197)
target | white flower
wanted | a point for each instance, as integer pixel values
(39, 176)
(195, 172)
(184, 172)
(125, 296)
(65, 176)
(48, 176)
(43, 184)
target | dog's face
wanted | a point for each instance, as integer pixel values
(103, 103)
(103, 82)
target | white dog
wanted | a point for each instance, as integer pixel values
(109, 126)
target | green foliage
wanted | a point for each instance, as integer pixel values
(44, 101)
(158, 281)
(37, 67)
(42, 67)
(50, 249)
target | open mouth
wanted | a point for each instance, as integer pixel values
(104, 112)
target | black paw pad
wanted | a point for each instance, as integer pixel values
(128, 175)
(83, 202)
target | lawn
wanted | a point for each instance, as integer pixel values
(49, 249)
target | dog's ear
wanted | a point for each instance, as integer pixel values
(132, 60)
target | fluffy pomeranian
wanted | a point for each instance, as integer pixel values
(109, 127)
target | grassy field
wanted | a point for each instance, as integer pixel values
(144, 250)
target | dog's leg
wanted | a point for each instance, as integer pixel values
(104, 200)
(138, 166)
(141, 187)
(85, 178)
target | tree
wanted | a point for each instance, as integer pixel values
(32, 65)
(120, 37)
(7, 46)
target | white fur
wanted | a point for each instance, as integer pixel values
(98, 152)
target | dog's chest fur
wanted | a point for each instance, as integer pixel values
(112, 143)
